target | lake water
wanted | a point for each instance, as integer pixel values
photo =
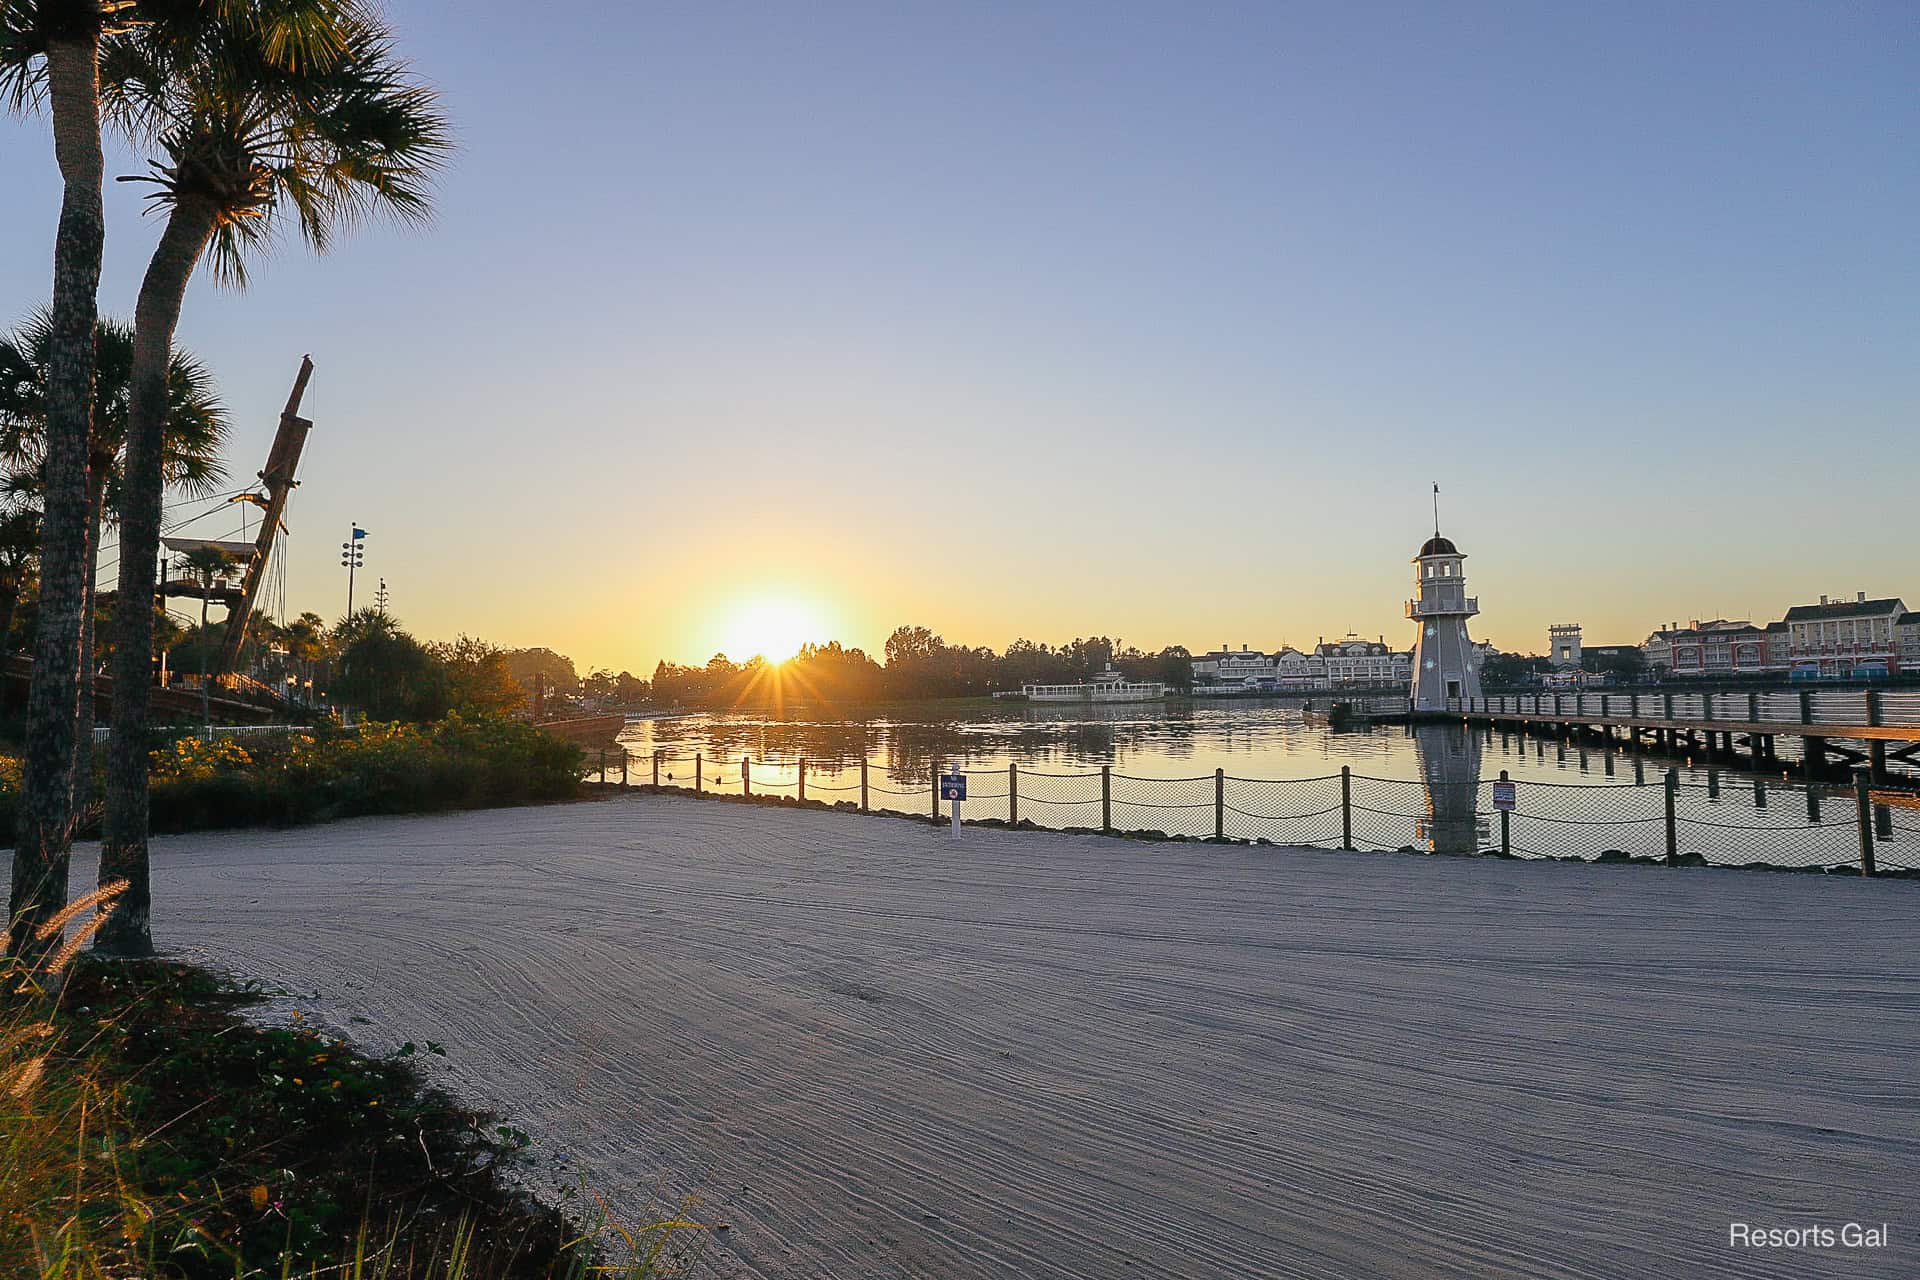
(1427, 786)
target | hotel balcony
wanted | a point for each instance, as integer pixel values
(1426, 608)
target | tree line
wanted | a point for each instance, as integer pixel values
(264, 119)
(918, 664)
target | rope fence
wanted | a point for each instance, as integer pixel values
(1859, 827)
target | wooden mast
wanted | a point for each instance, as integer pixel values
(282, 461)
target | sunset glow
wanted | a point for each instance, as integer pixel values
(772, 627)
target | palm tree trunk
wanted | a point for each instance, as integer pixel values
(98, 469)
(128, 929)
(44, 842)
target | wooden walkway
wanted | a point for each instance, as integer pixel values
(1719, 723)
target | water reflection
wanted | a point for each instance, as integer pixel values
(1445, 763)
(1449, 756)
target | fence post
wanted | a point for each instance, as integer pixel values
(803, 780)
(746, 775)
(1753, 708)
(1673, 824)
(1506, 836)
(603, 766)
(1668, 705)
(1873, 706)
(623, 766)
(1219, 804)
(1013, 794)
(1863, 796)
(1806, 706)
(1106, 799)
(936, 793)
(699, 773)
(863, 784)
(656, 766)
(1346, 806)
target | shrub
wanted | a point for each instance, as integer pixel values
(459, 762)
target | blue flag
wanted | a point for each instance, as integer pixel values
(358, 533)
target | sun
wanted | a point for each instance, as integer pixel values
(772, 627)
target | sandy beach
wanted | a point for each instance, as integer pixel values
(877, 1052)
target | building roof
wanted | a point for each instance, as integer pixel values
(1719, 627)
(1907, 620)
(1438, 546)
(1844, 609)
(241, 551)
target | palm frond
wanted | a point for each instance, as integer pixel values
(294, 115)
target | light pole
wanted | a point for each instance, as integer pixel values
(380, 597)
(352, 556)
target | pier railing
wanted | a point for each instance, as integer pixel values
(1721, 822)
(1838, 708)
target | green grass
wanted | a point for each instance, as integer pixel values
(147, 1128)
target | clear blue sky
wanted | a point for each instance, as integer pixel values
(1151, 320)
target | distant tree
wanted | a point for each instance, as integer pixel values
(525, 664)
(908, 645)
(477, 677)
(1172, 666)
(204, 566)
(1504, 669)
(19, 545)
(306, 638)
(1626, 665)
(385, 673)
(630, 691)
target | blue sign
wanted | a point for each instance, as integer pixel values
(953, 786)
(1504, 794)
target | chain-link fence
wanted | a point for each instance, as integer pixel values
(1725, 821)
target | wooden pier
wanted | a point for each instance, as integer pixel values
(1847, 728)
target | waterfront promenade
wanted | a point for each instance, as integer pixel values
(878, 1052)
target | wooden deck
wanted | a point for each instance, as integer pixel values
(1867, 715)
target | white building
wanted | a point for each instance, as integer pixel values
(1835, 637)
(1354, 661)
(1332, 665)
(1445, 663)
(1242, 667)
(1906, 629)
(1563, 644)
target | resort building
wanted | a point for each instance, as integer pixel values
(1338, 664)
(1722, 647)
(1779, 646)
(1230, 666)
(1354, 661)
(1843, 637)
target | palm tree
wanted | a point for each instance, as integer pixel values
(195, 432)
(205, 565)
(252, 137)
(19, 545)
(50, 51)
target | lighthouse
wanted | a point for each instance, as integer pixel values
(1443, 656)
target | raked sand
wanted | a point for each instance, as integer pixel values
(879, 1053)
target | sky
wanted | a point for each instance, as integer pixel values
(738, 322)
